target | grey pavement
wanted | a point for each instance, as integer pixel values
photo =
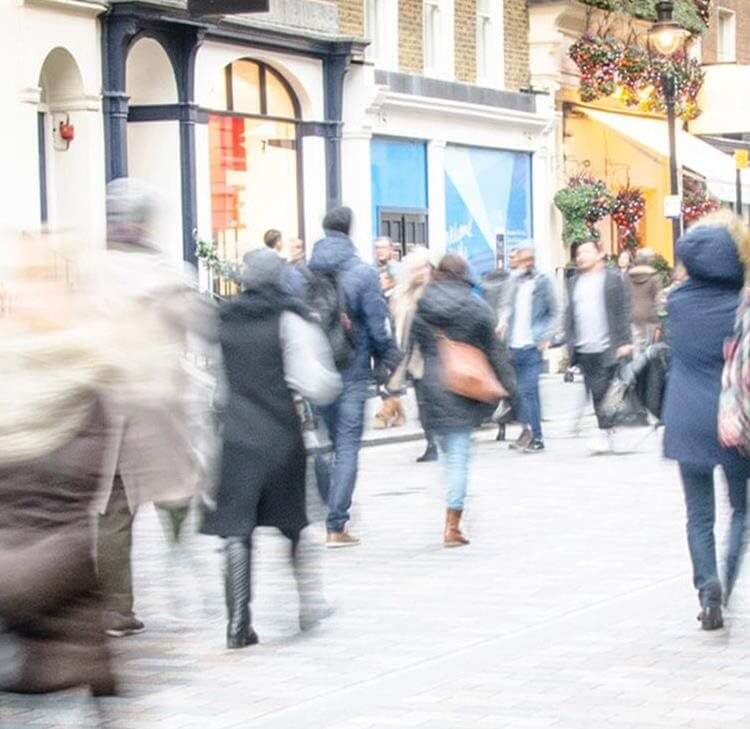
(572, 608)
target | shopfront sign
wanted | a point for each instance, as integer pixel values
(227, 7)
(672, 206)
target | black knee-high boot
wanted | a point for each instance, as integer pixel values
(237, 585)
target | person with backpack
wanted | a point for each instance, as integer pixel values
(345, 293)
(701, 317)
(531, 321)
(466, 373)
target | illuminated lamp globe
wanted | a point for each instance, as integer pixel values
(665, 35)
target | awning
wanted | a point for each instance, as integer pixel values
(693, 153)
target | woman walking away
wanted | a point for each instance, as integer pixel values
(701, 314)
(404, 308)
(270, 347)
(448, 312)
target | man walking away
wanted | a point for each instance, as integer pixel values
(645, 285)
(366, 313)
(597, 326)
(533, 310)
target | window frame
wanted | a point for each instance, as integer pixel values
(381, 29)
(490, 64)
(726, 16)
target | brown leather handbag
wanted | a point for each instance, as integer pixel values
(466, 371)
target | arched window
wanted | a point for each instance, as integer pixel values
(255, 158)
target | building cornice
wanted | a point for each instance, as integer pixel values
(83, 7)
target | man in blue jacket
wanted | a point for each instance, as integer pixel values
(367, 312)
(531, 320)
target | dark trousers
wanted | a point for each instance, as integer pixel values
(528, 364)
(420, 395)
(598, 374)
(698, 486)
(114, 547)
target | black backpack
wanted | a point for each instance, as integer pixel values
(325, 297)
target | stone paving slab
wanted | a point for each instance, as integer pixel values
(571, 609)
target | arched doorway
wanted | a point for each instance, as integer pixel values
(255, 158)
(64, 169)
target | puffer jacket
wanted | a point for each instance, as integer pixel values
(451, 308)
(701, 314)
(645, 289)
(365, 305)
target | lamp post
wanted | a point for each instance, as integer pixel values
(666, 37)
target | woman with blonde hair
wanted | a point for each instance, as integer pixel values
(416, 275)
(701, 315)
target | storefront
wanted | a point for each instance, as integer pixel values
(477, 185)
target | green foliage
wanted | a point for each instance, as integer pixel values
(662, 266)
(206, 252)
(583, 203)
(686, 12)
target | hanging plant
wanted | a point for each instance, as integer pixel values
(628, 208)
(690, 14)
(597, 59)
(208, 254)
(703, 8)
(633, 75)
(583, 203)
(696, 200)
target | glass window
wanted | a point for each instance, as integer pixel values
(245, 85)
(278, 101)
(432, 35)
(727, 36)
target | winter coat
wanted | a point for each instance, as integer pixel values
(365, 305)
(645, 289)
(404, 304)
(543, 308)
(451, 308)
(618, 315)
(701, 314)
(269, 346)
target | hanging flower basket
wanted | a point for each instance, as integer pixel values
(696, 200)
(628, 208)
(583, 203)
(597, 60)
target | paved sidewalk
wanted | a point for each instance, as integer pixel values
(572, 609)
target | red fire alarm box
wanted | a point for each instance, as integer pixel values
(67, 132)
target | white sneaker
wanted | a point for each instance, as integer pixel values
(602, 443)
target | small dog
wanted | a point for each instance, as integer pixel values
(391, 414)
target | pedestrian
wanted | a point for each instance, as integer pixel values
(531, 323)
(645, 292)
(271, 346)
(366, 314)
(597, 328)
(385, 258)
(625, 263)
(150, 458)
(417, 274)
(449, 308)
(701, 315)
(57, 363)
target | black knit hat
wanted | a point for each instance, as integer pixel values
(339, 219)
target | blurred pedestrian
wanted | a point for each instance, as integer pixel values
(417, 274)
(645, 292)
(150, 457)
(597, 326)
(56, 364)
(531, 323)
(271, 346)
(449, 309)
(385, 258)
(701, 316)
(625, 263)
(365, 312)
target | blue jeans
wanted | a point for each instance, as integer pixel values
(528, 365)
(345, 420)
(456, 445)
(698, 485)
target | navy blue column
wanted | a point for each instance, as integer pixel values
(117, 37)
(335, 67)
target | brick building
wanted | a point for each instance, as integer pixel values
(441, 114)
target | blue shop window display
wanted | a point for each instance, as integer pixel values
(399, 187)
(487, 203)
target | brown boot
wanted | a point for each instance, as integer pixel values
(453, 536)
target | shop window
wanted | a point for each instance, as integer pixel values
(405, 227)
(727, 35)
(489, 42)
(255, 159)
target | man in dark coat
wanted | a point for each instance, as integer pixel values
(597, 327)
(701, 315)
(367, 312)
(270, 347)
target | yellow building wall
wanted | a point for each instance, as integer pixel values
(596, 149)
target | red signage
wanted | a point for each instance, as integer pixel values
(226, 7)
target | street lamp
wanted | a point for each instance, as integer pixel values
(666, 37)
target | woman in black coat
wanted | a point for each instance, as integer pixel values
(270, 347)
(701, 315)
(450, 307)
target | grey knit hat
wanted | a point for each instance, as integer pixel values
(262, 267)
